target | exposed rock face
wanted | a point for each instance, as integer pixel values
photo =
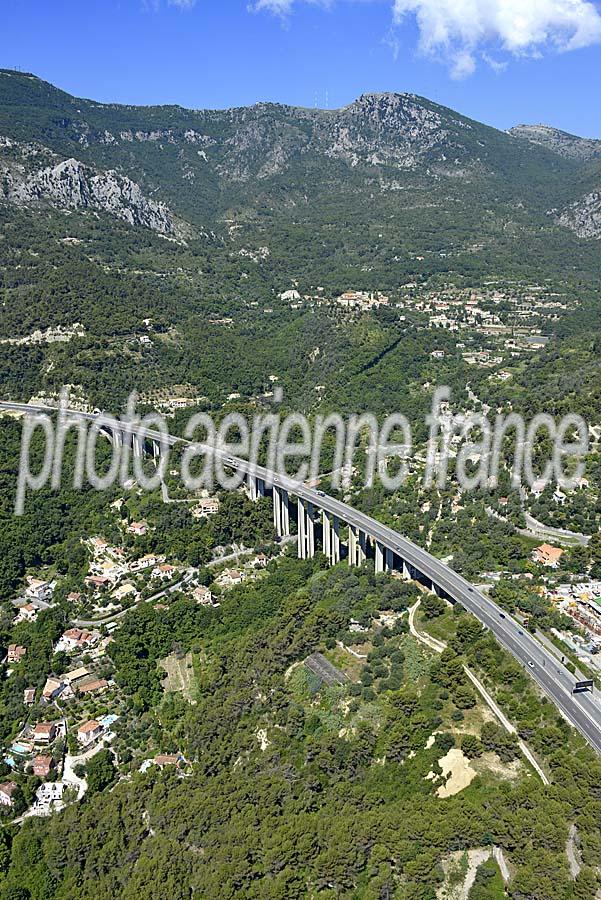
(395, 130)
(567, 145)
(70, 184)
(262, 164)
(260, 145)
(88, 136)
(584, 217)
(392, 129)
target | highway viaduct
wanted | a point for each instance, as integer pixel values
(319, 514)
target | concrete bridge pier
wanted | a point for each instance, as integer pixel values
(255, 486)
(306, 530)
(379, 551)
(138, 445)
(281, 512)
(331, 537)
(357, 546)
(384, 558)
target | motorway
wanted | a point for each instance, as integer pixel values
(583, 710)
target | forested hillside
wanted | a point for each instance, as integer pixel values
(300, 789)
(189, 224)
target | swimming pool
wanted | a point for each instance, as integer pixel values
(20, 748)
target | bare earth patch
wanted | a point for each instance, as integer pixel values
(457, 771)
(261, 736)
(460, 870)
(490, 762)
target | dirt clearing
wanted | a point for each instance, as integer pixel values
(180, 675)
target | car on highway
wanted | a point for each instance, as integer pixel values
(502, 615)
(530, 663)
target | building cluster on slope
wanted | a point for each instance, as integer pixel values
(55, 716)
(352, 300)
(72, 714)
(501, 321)
(581, 601)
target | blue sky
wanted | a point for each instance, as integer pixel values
(499, 61)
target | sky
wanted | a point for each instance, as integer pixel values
(502, 62)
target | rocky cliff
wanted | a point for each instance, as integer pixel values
(69, 184)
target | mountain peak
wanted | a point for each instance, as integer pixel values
(385, 99)
(570, 146)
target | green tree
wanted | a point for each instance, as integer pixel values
(100, 772)
(471, 746)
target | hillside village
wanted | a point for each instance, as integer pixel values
(72, 715)
(497, 326)
(496, 308)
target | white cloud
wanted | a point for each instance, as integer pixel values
(496, 65)
(279, 7)
(463, 64)
(283, 7)
(461, 29)
(182, 4)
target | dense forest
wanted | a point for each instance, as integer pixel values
(309, 812)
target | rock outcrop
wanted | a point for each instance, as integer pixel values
(584, 216)
(567, 145)
(69, 184)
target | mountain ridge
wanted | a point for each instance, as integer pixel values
(407, 95)
(568, 145)
(177, 170)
